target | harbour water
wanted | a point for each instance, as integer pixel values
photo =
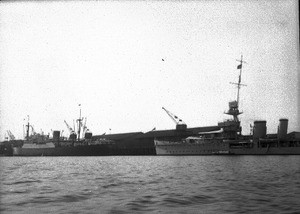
(150, 184)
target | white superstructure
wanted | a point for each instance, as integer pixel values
(191, 146)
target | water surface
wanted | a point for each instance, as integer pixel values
(150, 184)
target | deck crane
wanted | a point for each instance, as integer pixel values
(11, 136)
(180, 125)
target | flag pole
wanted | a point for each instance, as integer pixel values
(240, 79)
(239, 84)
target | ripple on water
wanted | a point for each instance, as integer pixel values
(26, 182)
(151, 184)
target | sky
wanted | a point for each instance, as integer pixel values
(125, 60)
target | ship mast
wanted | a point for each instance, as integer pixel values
(27, 130)
(234, 105)
(240, 79)
(232, 128)
(79, 123)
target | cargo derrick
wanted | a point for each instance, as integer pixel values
(72, 132)
(83, 132)
(11, 136)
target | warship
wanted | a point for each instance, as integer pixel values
(228, 139)
(261, 143)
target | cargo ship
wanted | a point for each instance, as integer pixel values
(41, 145)
(228, 140)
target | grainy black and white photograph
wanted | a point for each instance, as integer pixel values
(149, 106)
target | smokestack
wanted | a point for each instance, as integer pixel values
(56, 135)
(260, 129)
(282, 129)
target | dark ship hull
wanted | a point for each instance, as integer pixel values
(266, 151)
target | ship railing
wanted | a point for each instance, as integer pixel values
(238, 145)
